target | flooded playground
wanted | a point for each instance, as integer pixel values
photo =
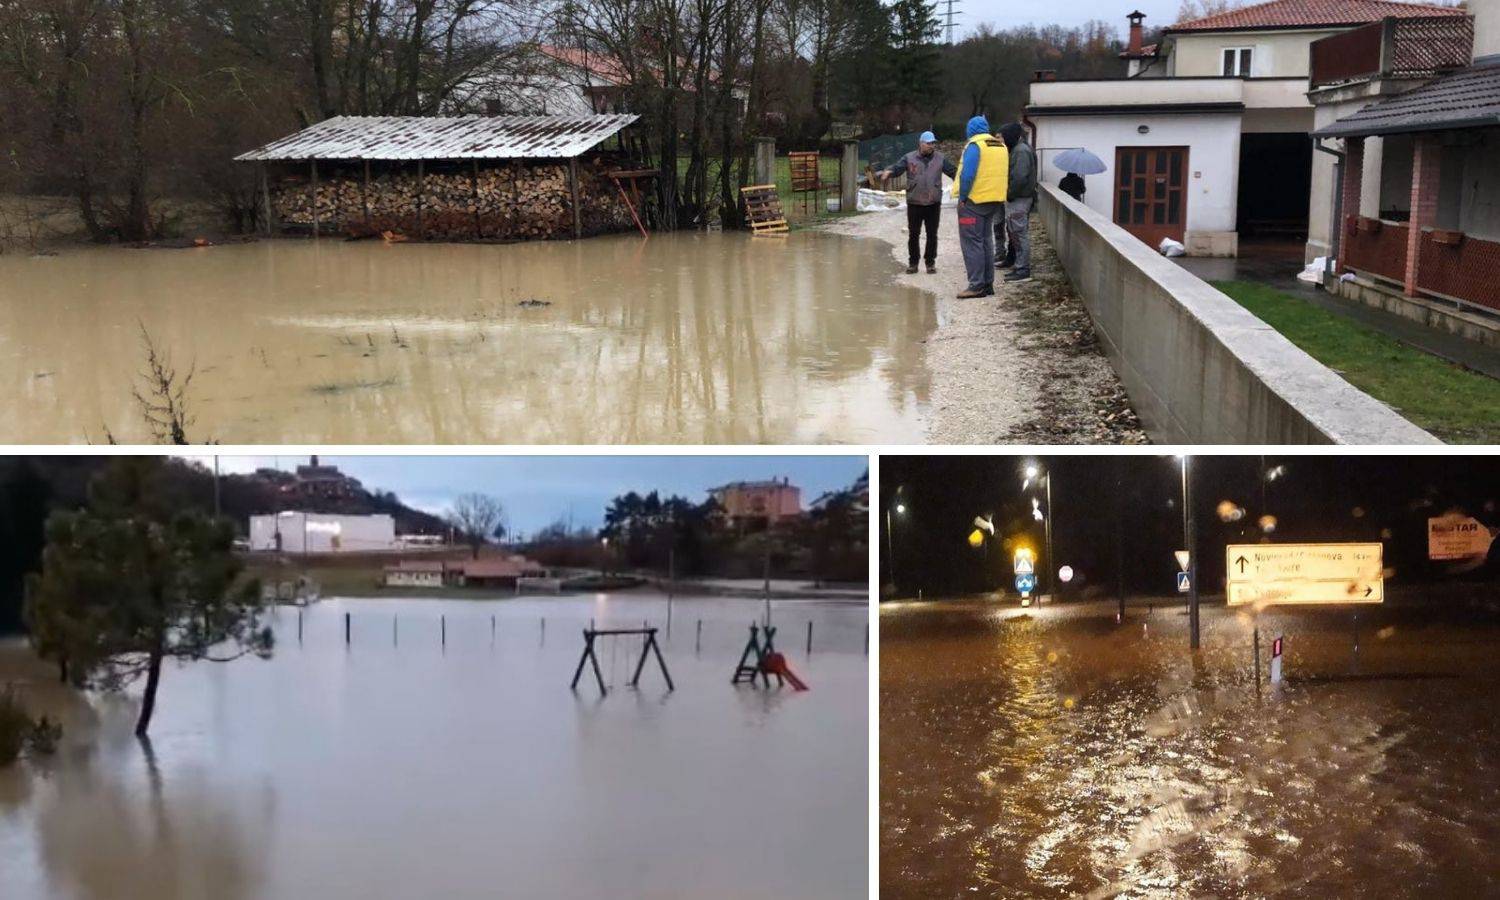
(682, 338)
(1051, 753)
(441, 753)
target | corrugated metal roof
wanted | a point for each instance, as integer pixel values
(1468, 98)
(1311, 13)
(437, 137)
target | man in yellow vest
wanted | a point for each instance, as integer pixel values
(981, 186)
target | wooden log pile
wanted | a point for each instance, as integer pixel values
(510, 200)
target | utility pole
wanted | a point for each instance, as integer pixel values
(1120, 463)
(216, 485)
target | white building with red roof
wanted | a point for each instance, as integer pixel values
(1206, 141)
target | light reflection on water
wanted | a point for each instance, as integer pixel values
(684, 338)
(1374, 773)
(398, 767)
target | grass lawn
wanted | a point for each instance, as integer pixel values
(791, 204)
(1454, 404)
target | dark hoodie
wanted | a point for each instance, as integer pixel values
(1022, 162)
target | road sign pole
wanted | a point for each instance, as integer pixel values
(1189, 529)
(1257, 659)
(1051, 563)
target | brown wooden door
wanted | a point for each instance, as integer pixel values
(1151, 192)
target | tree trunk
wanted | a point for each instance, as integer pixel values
(62, 669)
(148, 701)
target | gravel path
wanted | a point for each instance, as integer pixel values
(1022, 367)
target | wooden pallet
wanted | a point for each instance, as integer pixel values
(763, 206)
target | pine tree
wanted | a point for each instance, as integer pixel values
(129, 582)
(916, 62)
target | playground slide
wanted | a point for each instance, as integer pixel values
(776, 665)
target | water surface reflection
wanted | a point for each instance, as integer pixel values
(1050, 753)
(684, 338)
(398, 766)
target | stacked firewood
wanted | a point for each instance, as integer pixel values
(514, 200)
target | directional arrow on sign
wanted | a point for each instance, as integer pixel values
(1241, 563)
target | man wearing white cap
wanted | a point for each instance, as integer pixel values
(924, 168)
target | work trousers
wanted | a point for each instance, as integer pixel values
(976, 238)
(1018, 231)
(917, 218)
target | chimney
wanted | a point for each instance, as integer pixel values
(1135, 32)
(1486, 31)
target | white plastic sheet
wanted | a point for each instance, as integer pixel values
(1312, 273)
(1170, 247)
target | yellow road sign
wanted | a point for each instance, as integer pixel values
(1304, 573)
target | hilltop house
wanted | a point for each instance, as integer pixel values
(758, 502)
(1412, 209)
(1207, 138)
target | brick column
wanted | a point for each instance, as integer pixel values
(1349, 191)
(1426, 166)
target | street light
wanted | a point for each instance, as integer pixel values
(890, 537)
(1033, 473)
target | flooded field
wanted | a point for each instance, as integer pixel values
(400, 767)
(1050, 753)
(683, 338)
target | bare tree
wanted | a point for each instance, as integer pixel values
(476, 517)
(162, 395)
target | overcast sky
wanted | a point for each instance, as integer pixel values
(1008, 13)
(537, 490)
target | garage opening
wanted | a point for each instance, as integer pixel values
(1275, 183)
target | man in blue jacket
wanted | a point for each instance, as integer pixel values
(981, 185)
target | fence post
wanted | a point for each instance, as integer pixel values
(849, 177)
(765, 160)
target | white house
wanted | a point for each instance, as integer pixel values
(299, 532)
(1206, 140)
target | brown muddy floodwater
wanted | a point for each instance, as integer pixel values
(1051, 753)
(682, 338)
(397, 767)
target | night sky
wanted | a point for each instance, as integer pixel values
(1121, 516)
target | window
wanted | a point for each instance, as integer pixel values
(1237, 62)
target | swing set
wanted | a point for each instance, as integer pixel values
(768, 661)
(648, 646)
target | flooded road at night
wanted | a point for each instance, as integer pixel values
(397, 766)
(1051, 753)
(682, 338)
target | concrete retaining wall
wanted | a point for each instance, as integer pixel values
(1199, 368)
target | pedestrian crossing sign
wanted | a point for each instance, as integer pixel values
(1184, 583)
